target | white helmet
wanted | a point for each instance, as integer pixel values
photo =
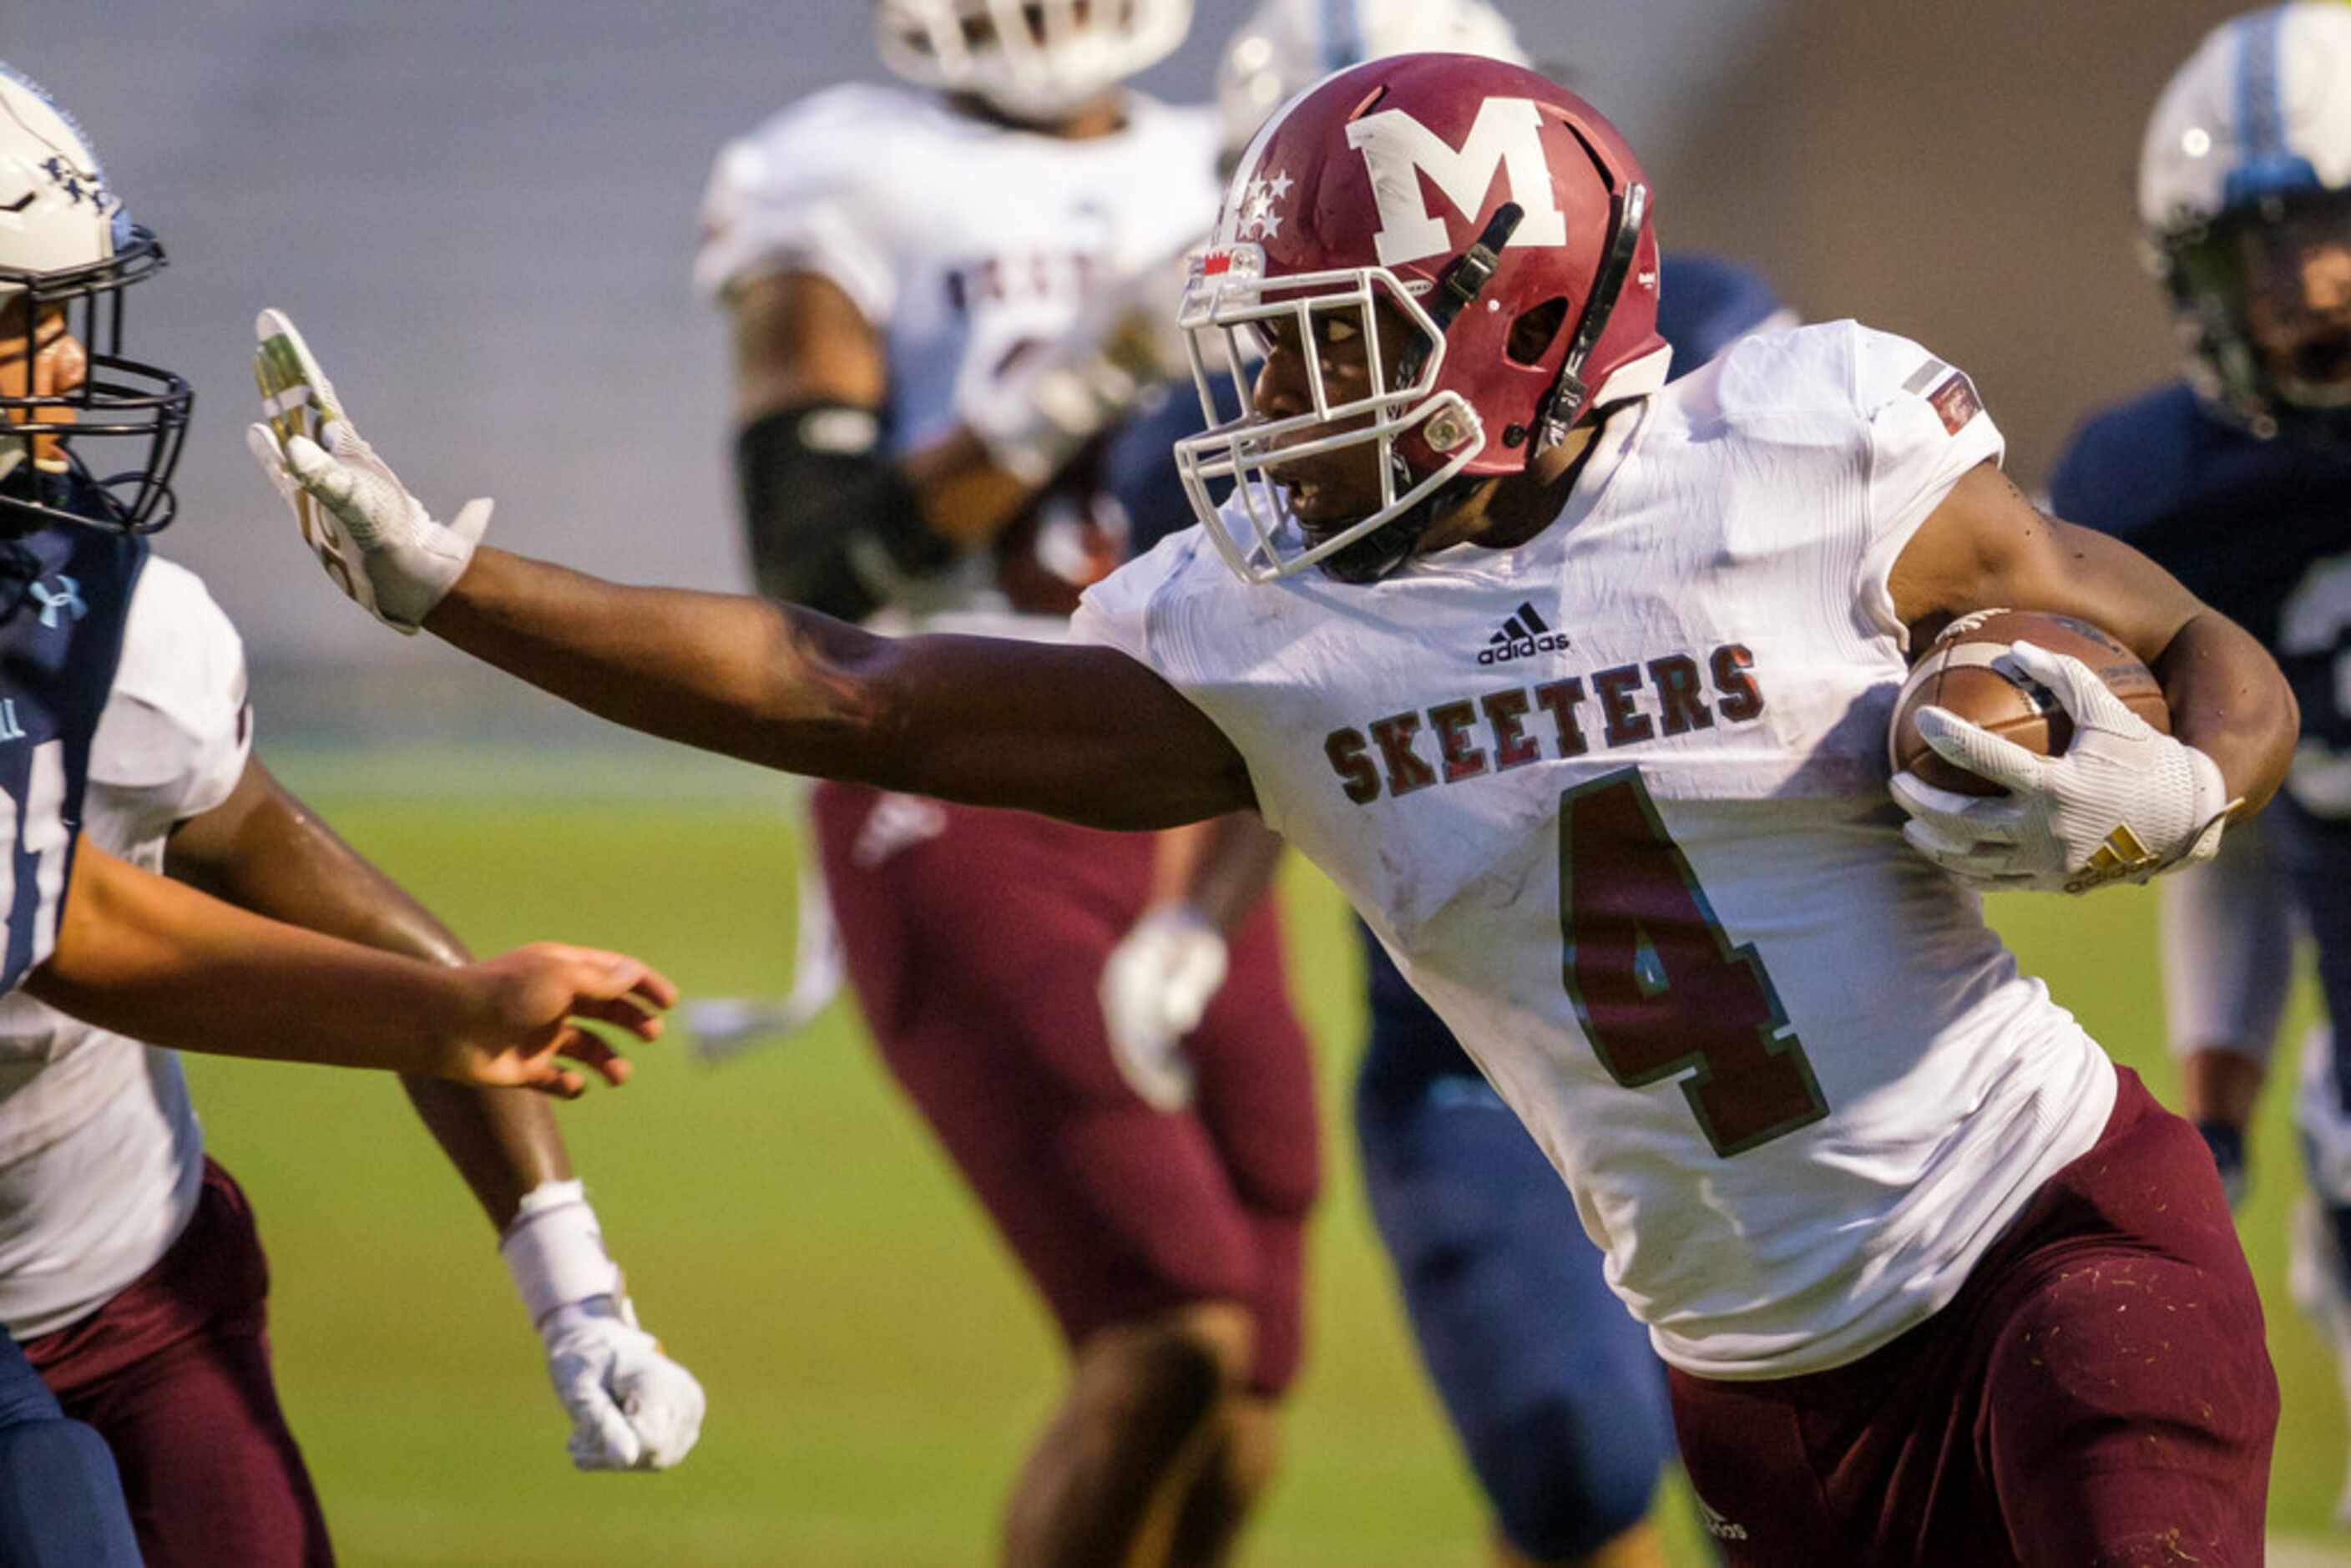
(2244, 189)
(1291, 44)
(68, 249)
(1031, 59)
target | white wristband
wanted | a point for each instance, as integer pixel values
(555, 1250)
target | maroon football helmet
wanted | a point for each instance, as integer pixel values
(1473, 196)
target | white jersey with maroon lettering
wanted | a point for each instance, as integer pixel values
(963, 241)
(100, 1157)
(1615, 801)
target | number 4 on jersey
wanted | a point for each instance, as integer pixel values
(1657, 985)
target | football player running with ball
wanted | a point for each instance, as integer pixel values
(2238, 479)
(1937, 1282)
(945, 304)
(130, 1268)
(1559, 1401)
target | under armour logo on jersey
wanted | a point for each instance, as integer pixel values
(1522, 636)
(67, 599)
(1506, 137)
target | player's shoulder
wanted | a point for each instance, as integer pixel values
(181, 654)
(841, 120)
(2132, 462)
(845, 137)
(1155, 607)
(1812, 383)
(1187, 130)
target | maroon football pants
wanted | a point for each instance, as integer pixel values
(2097, 1396)
(976, 941)
(174, 1374)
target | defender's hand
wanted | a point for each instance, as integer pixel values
(1154, 990)
(632, 1407)
(376, 541)
(2124, 802)
(519, 1013)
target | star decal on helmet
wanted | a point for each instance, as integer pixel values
(1256, 219)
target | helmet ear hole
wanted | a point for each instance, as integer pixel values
(1532, 334)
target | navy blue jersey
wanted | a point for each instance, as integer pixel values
(2260, 530)
(64, 598)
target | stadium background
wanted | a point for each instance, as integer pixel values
(483, 216)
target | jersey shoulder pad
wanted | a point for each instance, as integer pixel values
(820, 184)
(179, 696)
(1129, 609)
(1795, 386)
(2132, 463)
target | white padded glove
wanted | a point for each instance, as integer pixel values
(1051, 398)
(1154, 990)
(2124, 802)
(377, 541)
(632, 1407)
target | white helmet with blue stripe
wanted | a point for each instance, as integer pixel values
(2245, 193)
(1290, 44)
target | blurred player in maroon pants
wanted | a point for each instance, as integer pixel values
(945, 304)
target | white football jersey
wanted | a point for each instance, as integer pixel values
(965, 242)
(100, 1157)
(1615, 801)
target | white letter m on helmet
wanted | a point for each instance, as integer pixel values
(1400, 149)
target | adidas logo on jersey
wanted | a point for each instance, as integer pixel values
(1522, 636)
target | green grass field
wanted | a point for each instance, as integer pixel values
(875, 1365)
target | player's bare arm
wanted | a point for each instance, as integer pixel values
(632, 1407)
(801, 344)
(1081, 732)
(263, 850)
(1988, 546)
(146, 956)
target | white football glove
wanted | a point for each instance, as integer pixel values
(632, 1407)
(1051, 398)
(1154, 990)
(376, 541)
(2123, 803)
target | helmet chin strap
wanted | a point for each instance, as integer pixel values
(1569, 401)
(1380, 552)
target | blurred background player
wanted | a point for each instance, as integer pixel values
(130, 1269)
(2237, 478)
(1550, 1384)
(943, 304)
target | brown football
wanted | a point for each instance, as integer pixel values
(1968, 671)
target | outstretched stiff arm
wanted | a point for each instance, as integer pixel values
(1081, 732)
(1084, 734)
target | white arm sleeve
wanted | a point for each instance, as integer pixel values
(2228, 937)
